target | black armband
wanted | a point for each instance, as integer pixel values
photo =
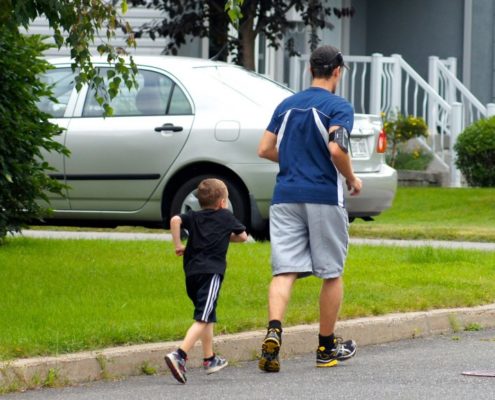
(341, 137)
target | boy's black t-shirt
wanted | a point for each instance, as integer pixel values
(209, 237)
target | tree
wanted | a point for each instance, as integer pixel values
(76, 24)
(251, 17)
(24, 130)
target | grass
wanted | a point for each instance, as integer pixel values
(60, 296)
(466, 214)
(435, 213)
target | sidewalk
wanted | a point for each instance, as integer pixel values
(167, 236)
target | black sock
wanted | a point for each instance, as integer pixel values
(275, 324)
(326, 341)
(209, 358)
(182, 353)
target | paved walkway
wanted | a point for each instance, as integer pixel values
(167, 236)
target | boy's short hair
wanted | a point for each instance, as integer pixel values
(210, 191)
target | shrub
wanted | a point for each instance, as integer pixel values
(400, 129)
(24, 132)
(475, 148)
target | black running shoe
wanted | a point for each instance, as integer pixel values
(341, 351)
(269, 361)
(177, 366)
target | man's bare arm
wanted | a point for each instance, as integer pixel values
(268, 147)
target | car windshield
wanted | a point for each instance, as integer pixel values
(251, 85)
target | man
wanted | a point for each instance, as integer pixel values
(308, 136)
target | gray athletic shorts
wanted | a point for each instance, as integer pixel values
(308, 239)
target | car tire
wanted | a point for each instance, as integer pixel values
(184, 198)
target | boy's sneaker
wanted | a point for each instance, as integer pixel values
(177, 366)
(341, 351)
(269, 361)
(215, 365)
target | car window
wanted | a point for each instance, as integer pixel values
(249, 84)
(179, 104)
(156, 95)
(62, 82)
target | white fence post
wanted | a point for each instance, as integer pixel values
(396, 84)
(451, 91)
(376, 84)
(432, 105)
(455, 130)
(295, 73)
(490, 110)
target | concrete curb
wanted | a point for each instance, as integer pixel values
(126, 361)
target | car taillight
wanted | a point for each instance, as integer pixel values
(381, 145)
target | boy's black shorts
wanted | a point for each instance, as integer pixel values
(203, 290)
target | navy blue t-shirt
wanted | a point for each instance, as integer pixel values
(301, 122)
(209, 238)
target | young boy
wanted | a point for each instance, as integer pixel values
(210, 231)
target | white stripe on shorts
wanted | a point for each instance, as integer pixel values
(212, 297)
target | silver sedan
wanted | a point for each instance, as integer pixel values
(188, 119)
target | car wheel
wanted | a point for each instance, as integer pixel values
(185, 198)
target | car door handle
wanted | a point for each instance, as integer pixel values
(168, 127)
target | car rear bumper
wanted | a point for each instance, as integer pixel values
(377, 194)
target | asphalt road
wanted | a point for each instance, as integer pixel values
(424, 368)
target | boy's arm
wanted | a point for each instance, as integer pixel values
(175, 224)
(238, 237)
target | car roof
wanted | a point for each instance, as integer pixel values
(175, 63)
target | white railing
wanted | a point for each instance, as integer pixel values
(377, 84)
(442, 77)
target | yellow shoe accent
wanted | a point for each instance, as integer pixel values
(269, 361)
(269, 365)
(332, 363)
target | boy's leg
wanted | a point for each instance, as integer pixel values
(196, 332)
(207, 341)
(176, 361)
(203, 291)
(211, 361)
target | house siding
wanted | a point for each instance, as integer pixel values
(136, 16)
(483, 51)
(422, 28)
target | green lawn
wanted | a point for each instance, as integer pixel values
(435, 213)
(61, 296)
(417, 213)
